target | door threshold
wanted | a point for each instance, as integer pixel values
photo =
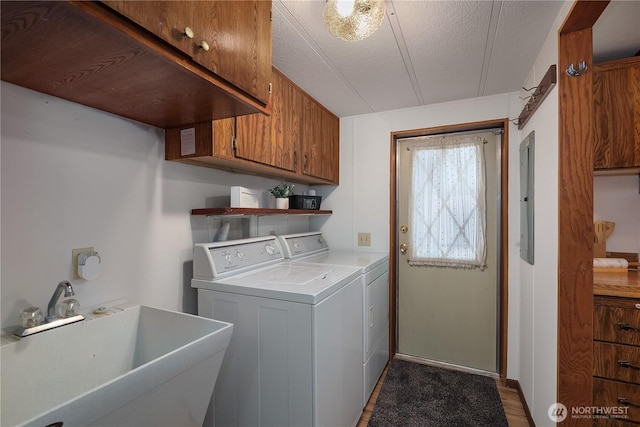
(447, 365)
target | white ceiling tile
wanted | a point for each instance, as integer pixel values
(522, 29)
(446, 43)
(429, 51)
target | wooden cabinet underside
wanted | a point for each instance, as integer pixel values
(85, 53)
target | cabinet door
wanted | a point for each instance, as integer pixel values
(238, 34)
(230, 38)
(286, 125)
(331, 146)
(320, 142)
(617, 114)
(166, 19)
(272, 140)
(311, 136)
(253, 139)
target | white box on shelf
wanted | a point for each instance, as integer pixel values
(245, 197)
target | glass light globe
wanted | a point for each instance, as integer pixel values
(353, 20)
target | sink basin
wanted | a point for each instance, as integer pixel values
(134, 366)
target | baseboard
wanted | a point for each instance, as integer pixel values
(515, 384)
(446, 365)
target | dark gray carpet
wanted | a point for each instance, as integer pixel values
(420, 395)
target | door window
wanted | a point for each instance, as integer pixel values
(447, 209)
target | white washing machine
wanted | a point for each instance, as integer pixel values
(295, 355)
(312, 248)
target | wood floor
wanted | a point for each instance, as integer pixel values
(510, 401)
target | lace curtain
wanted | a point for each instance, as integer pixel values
(447, 202)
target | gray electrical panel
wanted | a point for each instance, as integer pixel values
(527, 155)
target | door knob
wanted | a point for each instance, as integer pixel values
(403, 248)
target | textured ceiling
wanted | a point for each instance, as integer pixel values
(425, 52)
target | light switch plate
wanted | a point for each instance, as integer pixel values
(364, 239)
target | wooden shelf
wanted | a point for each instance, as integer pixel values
(257, 211)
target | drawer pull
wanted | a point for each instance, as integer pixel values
(625, 401)
(627, 364)
(627, 327)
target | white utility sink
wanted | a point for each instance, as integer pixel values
(135, 366)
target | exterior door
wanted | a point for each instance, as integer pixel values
(444, 313)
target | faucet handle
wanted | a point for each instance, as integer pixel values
(68, 308)
(31, 317)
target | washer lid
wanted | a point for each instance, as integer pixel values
(285, 281)
(294, 275)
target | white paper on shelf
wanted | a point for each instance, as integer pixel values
(245, 197)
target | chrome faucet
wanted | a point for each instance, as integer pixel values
(51, 321)
(63, 286)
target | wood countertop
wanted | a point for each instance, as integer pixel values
(617, 284)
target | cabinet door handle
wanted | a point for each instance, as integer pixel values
(626, 401)
(188, 32)
(627, 364)
(627, 327)
(204, 45)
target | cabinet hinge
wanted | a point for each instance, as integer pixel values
(270, 88)
(271, 15)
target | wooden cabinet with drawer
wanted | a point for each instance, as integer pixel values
(616, 348)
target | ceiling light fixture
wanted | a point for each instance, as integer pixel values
(355, 19)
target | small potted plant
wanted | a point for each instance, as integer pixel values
(282, 192)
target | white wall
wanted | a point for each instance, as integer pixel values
(539, 282)
(617, 199)
(74, 177)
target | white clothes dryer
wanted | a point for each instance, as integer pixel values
(312, 249)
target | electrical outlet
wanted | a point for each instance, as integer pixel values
(364, 239)
(74, 260)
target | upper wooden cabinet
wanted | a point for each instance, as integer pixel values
(320, 142)
(273, 140)
(169, 20)
(145, 70)
(230, 38)
(299, 142)
(616, 87)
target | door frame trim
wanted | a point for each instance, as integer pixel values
(575, 357)
(503, 232)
